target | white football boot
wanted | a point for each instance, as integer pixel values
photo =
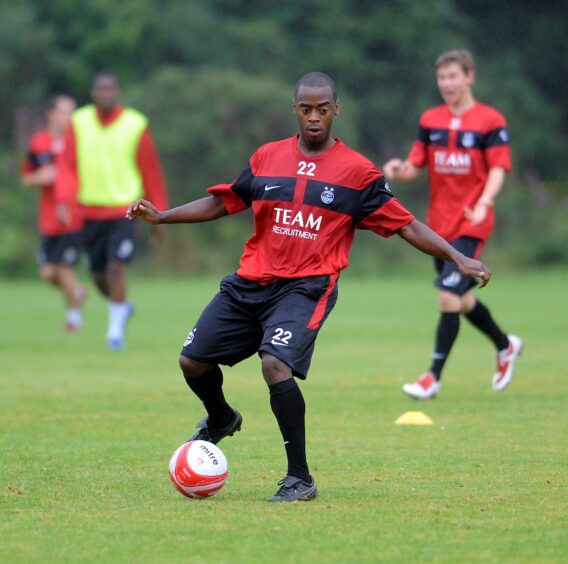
(424, 388)
(505, 362)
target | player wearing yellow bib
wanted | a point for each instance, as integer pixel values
(109, 160)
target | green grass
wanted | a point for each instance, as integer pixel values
(85, 435)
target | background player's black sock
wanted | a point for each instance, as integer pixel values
(287, 403)
(209, 389)
(481, 318)
(446, 333)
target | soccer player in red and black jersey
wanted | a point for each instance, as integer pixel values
(465, 145)
(59, 230)
(308, 194)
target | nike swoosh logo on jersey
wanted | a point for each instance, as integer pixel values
(267, 187)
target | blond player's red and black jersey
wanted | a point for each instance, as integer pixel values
(44, 149)
(306, 209)
(459, 151)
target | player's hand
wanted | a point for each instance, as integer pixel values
(478, 213)
(472, 267)
(45, 175)
(63, 213)
(145, 210)
(392, 169)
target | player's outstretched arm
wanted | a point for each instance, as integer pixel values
(425, 240)
(206, 209)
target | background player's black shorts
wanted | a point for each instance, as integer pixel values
(60, 249)
(107, 241)
(449, 277)
(282, 318)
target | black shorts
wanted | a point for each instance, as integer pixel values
(108, 240)
(282, 318)
(449, 277)
(60, 249)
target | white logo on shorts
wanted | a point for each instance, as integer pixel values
(190, 337)
(125, 249)
(70, 255)
(452, 280)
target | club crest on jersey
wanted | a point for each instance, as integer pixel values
(327, 196)
(468, 140)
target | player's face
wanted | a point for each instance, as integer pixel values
(105, 93)
(454, 83)
(315, 109)
(58, 117)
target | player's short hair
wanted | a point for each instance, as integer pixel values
(53, 100)
(316, 79)
(104, 74)
(460, 56)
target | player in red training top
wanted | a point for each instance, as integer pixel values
(60, 234)
(465, 145)
(308, 195)
(110, 160)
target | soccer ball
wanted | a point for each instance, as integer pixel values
(198, 469)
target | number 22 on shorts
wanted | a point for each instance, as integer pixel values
(281, 337)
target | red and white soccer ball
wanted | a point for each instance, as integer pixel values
(198, 469)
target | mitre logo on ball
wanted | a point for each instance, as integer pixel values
(198, 469)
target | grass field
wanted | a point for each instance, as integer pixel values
(85, 435)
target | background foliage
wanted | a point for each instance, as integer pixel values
(216, 80)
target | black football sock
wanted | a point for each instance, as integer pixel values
(481, 318)
(446, 333)
(289, 408)
(209, 389)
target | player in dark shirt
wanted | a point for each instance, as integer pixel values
(308, 194)
(465, 145)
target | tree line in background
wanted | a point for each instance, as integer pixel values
(216, 80)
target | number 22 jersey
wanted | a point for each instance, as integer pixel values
(306, 209)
